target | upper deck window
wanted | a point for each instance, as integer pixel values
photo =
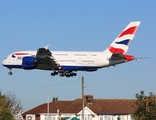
(80, 54)
(62, 54)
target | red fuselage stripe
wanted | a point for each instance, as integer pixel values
(20, 53)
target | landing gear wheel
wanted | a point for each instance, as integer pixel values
(52, 74)
(56, 73)
(61, 74)
(74, 74)
(10, 73)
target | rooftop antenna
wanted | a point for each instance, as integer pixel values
(48, 102)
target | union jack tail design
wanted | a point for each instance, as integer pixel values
(122, 42)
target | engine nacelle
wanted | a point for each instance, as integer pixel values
(28, 67)
(29, 60)
(29, 63)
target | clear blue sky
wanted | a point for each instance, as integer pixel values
(76, 25)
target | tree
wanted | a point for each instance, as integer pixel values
(144, 107)
(5, 113)
(55, 98)
(14, 104)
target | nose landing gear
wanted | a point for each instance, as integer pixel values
(10, 73)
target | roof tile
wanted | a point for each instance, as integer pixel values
(99, 106)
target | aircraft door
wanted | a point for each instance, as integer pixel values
(97, 62)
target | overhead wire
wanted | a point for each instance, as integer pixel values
(48, 85)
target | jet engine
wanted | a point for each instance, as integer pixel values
(29, 63)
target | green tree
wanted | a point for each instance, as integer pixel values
(55, 98)
(5, 113)
(144, 107)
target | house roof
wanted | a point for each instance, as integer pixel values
(114, 106)
(53, 107)
(98, 106)
(36, 109)
(102, 106)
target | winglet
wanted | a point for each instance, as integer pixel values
(46, 47)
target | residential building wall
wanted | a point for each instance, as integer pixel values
(95, 109)
(44, 116)
(114, 117)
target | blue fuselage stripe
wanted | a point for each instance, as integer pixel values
(63, 67)
(78, 67)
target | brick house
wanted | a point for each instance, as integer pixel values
(94, 109)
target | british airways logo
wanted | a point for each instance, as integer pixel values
(129, 31)
(116, 50)
(125, 42)
(15, 54)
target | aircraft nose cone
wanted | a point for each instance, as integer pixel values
(4, 62)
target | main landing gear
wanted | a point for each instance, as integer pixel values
(54, 73)
(10, 73)
(67, 74)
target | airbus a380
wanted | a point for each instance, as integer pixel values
(67, 63)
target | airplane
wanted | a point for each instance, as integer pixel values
(67, 63)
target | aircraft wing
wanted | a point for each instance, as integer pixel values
(45, 60)
(117, 56)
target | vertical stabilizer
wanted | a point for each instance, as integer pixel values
(122, 42)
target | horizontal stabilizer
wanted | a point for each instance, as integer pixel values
(117, 56)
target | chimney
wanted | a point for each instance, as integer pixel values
(89, 99)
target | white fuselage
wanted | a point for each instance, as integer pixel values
(69, 61)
